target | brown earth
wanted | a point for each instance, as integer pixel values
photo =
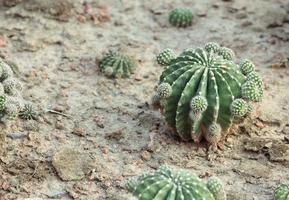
(107, 123)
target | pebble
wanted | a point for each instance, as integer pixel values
(16, 135)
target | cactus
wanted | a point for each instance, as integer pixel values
(165, 57)
(11, 101)
(28, 112)
(281, 192)
(203, 92)
(117, 65)
(165, 184)
(181, 17)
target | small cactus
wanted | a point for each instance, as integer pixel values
(28, 112)
(281, 192)
(165, 57)
(181, 17)
(165, 184)
(11, 101)
(202, 92)
(117, 65)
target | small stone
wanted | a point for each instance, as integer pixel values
(146, 155)
(254, 168)
(17, 135)
(3, 41)
(71, 164)
(105, 150)
(79, 131)
(59, 125)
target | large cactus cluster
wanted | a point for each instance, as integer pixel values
(117, 65)
(281, 192)
(166, 184)
(202, 92)
(11, 101)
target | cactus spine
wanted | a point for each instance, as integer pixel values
(202, 92)
(116, 65)
(165, 184)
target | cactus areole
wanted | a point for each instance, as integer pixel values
(203, 92)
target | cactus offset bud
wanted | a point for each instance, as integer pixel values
(226, 53)
(239, 108)
(11, 101)
(165, 57)
(213, 133)
(164, 90)
(247, 66)
(117, 65)
(216, 187)
(281, 192)
(212, 47)
(207, 92)
(181, 17)
(251, 91)
(168, 184)
(199, 104)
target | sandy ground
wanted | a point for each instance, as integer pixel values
(108, 132)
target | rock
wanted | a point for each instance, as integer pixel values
(279, 152)
(253, 168)
(71, 164)
(15, 136)
(146, 155)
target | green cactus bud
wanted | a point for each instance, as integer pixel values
(281, 192)
(11, 84)
(11, 111)
(239, 108)
(166, 184)
(213, 134)
(117, 65)
(212, 47)
(181, 17)
(18, 102)
(165, 57)
(226, 53)
(247, 66)
(11, 101)
(250, 109)
(216, 188)
(164, 90)
(255, 77)
(199, 104)
(251, 91)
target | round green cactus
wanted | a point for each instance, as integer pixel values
(207, 93)
(216, 187)
(117, 65)
(281, 192)
(165, 57)
(181, 17)
(247, 66)
(11, 101)
(166, 184)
